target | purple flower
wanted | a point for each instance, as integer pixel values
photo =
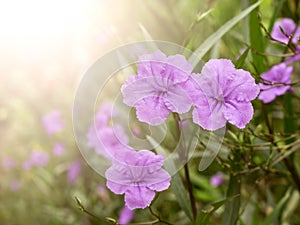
(137, 175)
(74, 171)
(159, 87)
(104, 115)
(36, 159)
(289, 26)
(217, 180)
(105, 139)
(126, 215)
(222, 93)
(39, 158)
(8, 163)
(52, 122)
(277, 81)
(58, 149)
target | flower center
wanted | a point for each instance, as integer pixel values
(219, 99)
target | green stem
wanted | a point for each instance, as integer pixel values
(190, 190)
(157, 217)
(186, 168)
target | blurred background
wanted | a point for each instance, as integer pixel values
(45, 48)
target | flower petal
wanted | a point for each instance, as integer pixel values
(152, 64)
(152, 110)
(177, 99)
(267, 95)
(136, 88)
(242, 87)
(158, 181)
(238, 113)
(138, 197)
(177, 69)
(118, 179)
(209, 118)
(288, 25)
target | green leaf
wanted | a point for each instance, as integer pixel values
(231, 213)
(257, 42)
(176, 183)
(240, 62)
(275, 14)
(214, 38)
(213, 147)
(278, 209)
(204, 216)
(151, 44)
(289, 120)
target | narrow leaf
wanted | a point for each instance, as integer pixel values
(204, 216)
(256, 39)
(240, 62)
(232, 208)
(214, 38)
(277, 210)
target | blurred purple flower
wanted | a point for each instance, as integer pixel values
(222, 93)
(52, 122)
(8, 163)
(58, 149)
(15, 185)
(159, 87)
(125, 216)
(104, 115)
(217, 180)
(74, 171)
(277, 81)
(289, 26)
(39, 158)
(36, 159)
(105, 139)
(137, 175)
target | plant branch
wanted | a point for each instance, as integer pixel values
(158, 217)
(190, 190)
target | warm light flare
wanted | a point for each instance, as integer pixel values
(36, 20)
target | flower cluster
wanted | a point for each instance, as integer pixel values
(220, 93)
(137, 174)
(277, 80)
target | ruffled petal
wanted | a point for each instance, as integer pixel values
(209, 114)
(137, 88)
(177, 99)
(238, 113)
(118, 178)
(158, 181)
(152, 64)
(138, 197)
(242, 87)
(177, 69)
(151, 110)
